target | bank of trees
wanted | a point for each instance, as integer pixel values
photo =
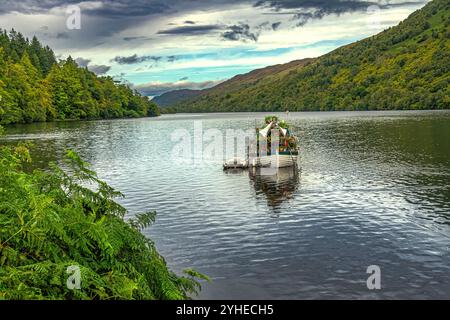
(35, 87)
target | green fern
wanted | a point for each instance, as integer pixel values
(51, 220)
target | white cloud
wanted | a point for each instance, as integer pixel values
(157, 88)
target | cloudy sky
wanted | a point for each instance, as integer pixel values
(171, 44)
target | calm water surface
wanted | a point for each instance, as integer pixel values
(372, 189)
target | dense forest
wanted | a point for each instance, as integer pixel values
(403, 67)
(34, 86)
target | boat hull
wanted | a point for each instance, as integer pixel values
(278, 161)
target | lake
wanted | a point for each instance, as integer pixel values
(372, 188)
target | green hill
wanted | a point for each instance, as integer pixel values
(175, 96)
(35, 87)
(403, 67)
(236, 83)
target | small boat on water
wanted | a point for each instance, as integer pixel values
(263, 151)
(236, 163)
(280, 160)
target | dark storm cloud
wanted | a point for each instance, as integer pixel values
(82, 62)
(268, 26)
(136, 8)
(108, 8)
(304, 17)
(108, 18)
(62, 35)
(134, 59)
(240, 32)
(172, 58)
(139, 8)
(276, 25)
(140, 38)
(306, 10)
(330, 6)
(127, 60)
(31, 6)
(191, 30)
(99, 69)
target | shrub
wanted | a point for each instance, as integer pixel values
(51, 220)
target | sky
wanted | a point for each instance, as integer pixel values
(158, 46)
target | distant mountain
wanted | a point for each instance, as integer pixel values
(176, 96)
(234, 84)
(403, 67)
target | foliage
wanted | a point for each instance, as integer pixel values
(269, 119)
(35, 87)
(288, 142)
(52, 220)
(404, 67)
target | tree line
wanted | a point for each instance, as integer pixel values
(35, 87)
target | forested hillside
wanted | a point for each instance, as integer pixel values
(35, 87)
(404, 67)
(175, 96)
(234, 84)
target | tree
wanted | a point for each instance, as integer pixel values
(36, 88)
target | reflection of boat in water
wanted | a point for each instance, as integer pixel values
(278, 185)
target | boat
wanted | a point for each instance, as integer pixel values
(260, 152)
(235, 163)
(280, 160)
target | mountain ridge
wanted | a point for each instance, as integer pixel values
(232, 84)
(403, 67)
(174, 96)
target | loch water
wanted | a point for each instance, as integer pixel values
(372, 188)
